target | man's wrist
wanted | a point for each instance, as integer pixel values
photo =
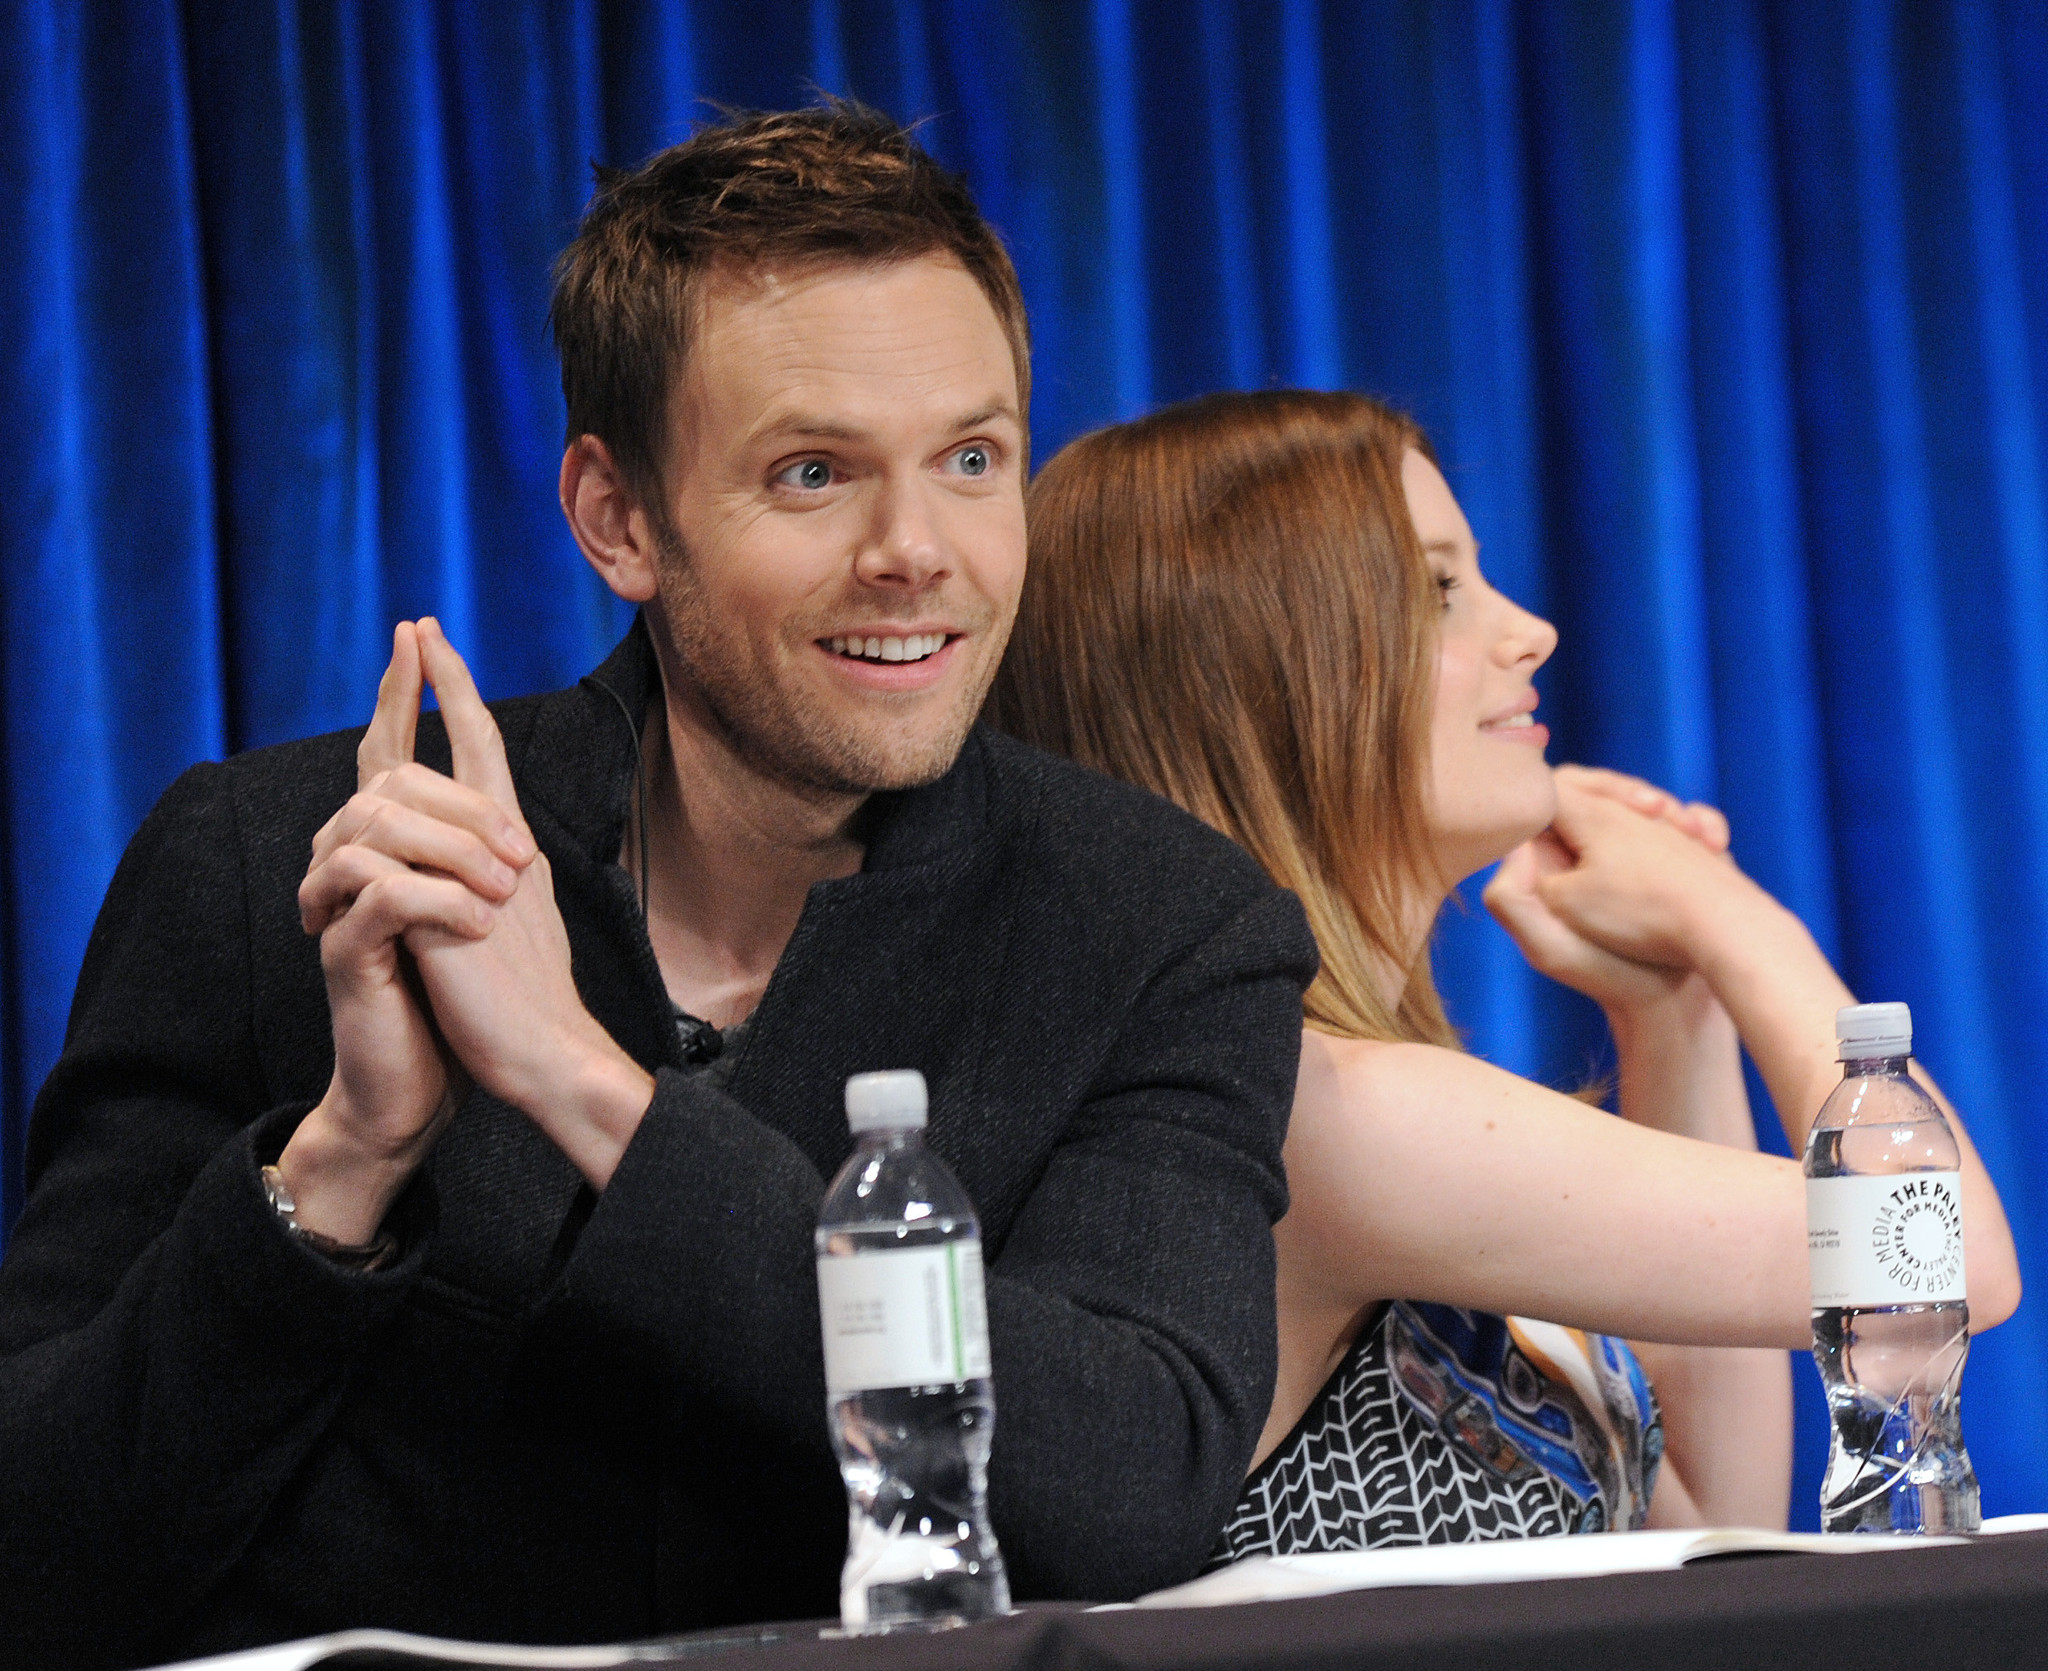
(595, 1105)
(373, 1255)
(341, 1188)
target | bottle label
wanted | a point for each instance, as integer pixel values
(903, 1317)
(1892, 1240)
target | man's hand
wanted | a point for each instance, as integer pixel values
(409, 849)
(505, 999)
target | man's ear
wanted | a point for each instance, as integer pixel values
(607, 518)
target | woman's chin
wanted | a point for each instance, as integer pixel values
(1463, 854)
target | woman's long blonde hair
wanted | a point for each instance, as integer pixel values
(1226, 604)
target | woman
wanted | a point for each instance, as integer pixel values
(1268, 607)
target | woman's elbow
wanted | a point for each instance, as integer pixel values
(1995, 1296)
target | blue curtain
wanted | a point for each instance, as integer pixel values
(1731, 321)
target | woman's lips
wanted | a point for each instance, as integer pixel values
(1522, 727)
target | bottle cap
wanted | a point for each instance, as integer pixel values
(1864, 1032)
(886, 1101)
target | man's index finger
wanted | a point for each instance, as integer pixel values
(476, 748)
(388, 743)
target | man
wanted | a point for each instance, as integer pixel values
(433, 1249)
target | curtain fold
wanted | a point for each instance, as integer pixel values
(1730, 320)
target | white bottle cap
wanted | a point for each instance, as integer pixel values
(1864, 1032)
(886, 1101)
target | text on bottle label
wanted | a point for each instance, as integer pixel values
(1893, 1240)
(903, 1317)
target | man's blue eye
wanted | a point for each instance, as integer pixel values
(974, 461)
(814, 473)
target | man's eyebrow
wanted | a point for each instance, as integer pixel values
(807, 424)
(982, 414)
(811, 426)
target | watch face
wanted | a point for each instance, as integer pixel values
(373, 1255)
(280, 1195)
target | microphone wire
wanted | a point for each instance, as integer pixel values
(639, 782)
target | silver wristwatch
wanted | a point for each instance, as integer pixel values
(373, 1255)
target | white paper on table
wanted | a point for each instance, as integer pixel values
(431, 1650)
(1509, 1561)
(2015, 1523)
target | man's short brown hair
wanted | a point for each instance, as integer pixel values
(838, 183)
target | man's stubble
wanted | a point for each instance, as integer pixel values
(778, 728)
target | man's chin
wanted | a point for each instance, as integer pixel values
(859, 763)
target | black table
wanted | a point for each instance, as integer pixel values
(1982, 1604)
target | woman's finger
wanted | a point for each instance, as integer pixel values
(477, 749)
(1711, 824)
(388, 743)
(1635, 792)
(1703, 822)
(1515, 874)
(1513, 899)
(1581, 812)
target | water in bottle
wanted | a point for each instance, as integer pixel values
(1891, 1326)
(907, 1382)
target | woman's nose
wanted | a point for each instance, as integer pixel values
(1527, 638)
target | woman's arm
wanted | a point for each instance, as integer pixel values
(1727, 1409)
(1426, 1173)
(1727, 1434)
(1646, 891)
(1430, 1174)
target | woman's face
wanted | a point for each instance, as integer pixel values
(1489, 787)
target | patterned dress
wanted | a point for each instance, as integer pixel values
(1451, 1426)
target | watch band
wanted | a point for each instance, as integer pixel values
(372, 1255)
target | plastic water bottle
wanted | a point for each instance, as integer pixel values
(1891, 1326)
(907, 1372)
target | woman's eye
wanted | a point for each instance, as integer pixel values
(1446, 584)
(812, 474)
(974, 461)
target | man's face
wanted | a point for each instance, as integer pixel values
(845, 499)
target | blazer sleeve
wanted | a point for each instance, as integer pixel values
(1131, 1309)
(168, 1353)
(1131, 1313)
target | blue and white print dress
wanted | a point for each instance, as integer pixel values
(1450, 1426)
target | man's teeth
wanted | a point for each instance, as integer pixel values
(914, 648)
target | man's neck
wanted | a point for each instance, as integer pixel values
(732, 852)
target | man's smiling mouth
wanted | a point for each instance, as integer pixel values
(916, 647)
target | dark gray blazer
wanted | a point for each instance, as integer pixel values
(569, 1417)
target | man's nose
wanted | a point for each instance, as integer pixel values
(904, 546)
